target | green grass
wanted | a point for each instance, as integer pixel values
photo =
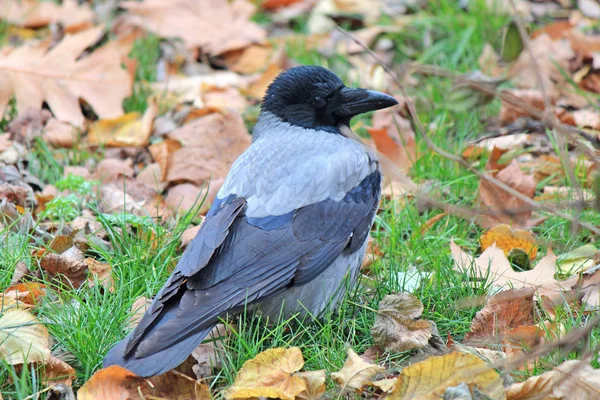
(86, 322)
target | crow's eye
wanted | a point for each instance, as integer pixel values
(319, 101)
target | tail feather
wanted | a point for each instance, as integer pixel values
(157, 363)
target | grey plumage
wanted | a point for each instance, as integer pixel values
(288, 225)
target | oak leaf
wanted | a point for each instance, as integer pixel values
(429, 379)
(356, 372)
(23, 338)
(215, 26)
(36, 73)
(270, 374)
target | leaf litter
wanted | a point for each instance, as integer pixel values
(66, 78)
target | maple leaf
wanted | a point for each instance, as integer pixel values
(34, 74)
(270, 374)
(356, 372)
(216, 26)
(429, 379)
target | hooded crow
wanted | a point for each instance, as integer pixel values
(289, 224)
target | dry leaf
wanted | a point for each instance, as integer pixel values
(69, 267)
(493, 262)
(184, 197)
(258, 88)
(59, 134)
(224, 100)
(111, 169)
(586, 118)
(385, 385)
(28, 292)
(487, 355)
(215, 26)
(508, 209)
(509, 113)
(508, 239)
(315, 385)
(138, 309)
(250, 60)
(503, 312)
(210, 145)
(58, 372)
(372, 254)
(398, 324)
(102, 272)
(161, 151)
(116, 382)
(270, 374)
(23, 338)
(428, 380)
(573, 380)
(394, 138)
(34, 74)
(189, 234)
(130, 130)
(36, 14)
(356, 373)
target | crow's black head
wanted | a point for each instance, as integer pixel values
(314, 97)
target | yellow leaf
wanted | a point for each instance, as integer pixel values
(315, 385)
(270, 374)
(23, 338)
(429, 379)
(356, 373)
(508, 239)
(131, 129)
(385, 385)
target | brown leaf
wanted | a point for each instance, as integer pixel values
(508, 208)
(210, 145)
(69, 267)
(429, 379)
(189, 234)
(372, 254)
(270, 374)
(161, 151)
(186, 196)
(508, 239)
(315, 385)
(111, 169)
(34, 14)
(97, 78)
(138, 309)
(273, 5)
(250, 60)
(215, 26)
(398, 325)
(102, 272)
(116, 382)
(28, 292)
(356, 373)
(573, 379)
(587, 118)
(227, 99)
(59, 134)
(258, 87)
(503, 312)
(394, 137)
(58, 372)
(509, 113)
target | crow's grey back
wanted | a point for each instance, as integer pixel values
(288, 167)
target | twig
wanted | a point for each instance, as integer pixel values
(421, 129)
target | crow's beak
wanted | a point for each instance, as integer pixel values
(357, 101)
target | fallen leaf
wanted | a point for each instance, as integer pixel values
(430, 378)
(29, 293)
(273, 5)
(209, 146)
(579, 260)
(270, 374)
(189, 234)
(138, 309)
(573, 379)
(34, 14)
(493, 263)
(23, 339)
(189, 88)
(250, 60)
(215, 26)
(102, 272)
(508, 239)
(111, 169)
(227, 99)
(58, 372)
(161, 152)
(69, 267)
(132, 129)
(487, 355)
(372, 254)
(503, 312)
(508, 209)
(185, 197)
(356, 373)
(510, 113)
(586, 118)
(60, 134)
(116, 382)
(394, 137)
(398, 325)
(34, 74)
(258, 87)
(385, 385)
(315, 385)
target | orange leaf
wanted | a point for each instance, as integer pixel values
(508, 239)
